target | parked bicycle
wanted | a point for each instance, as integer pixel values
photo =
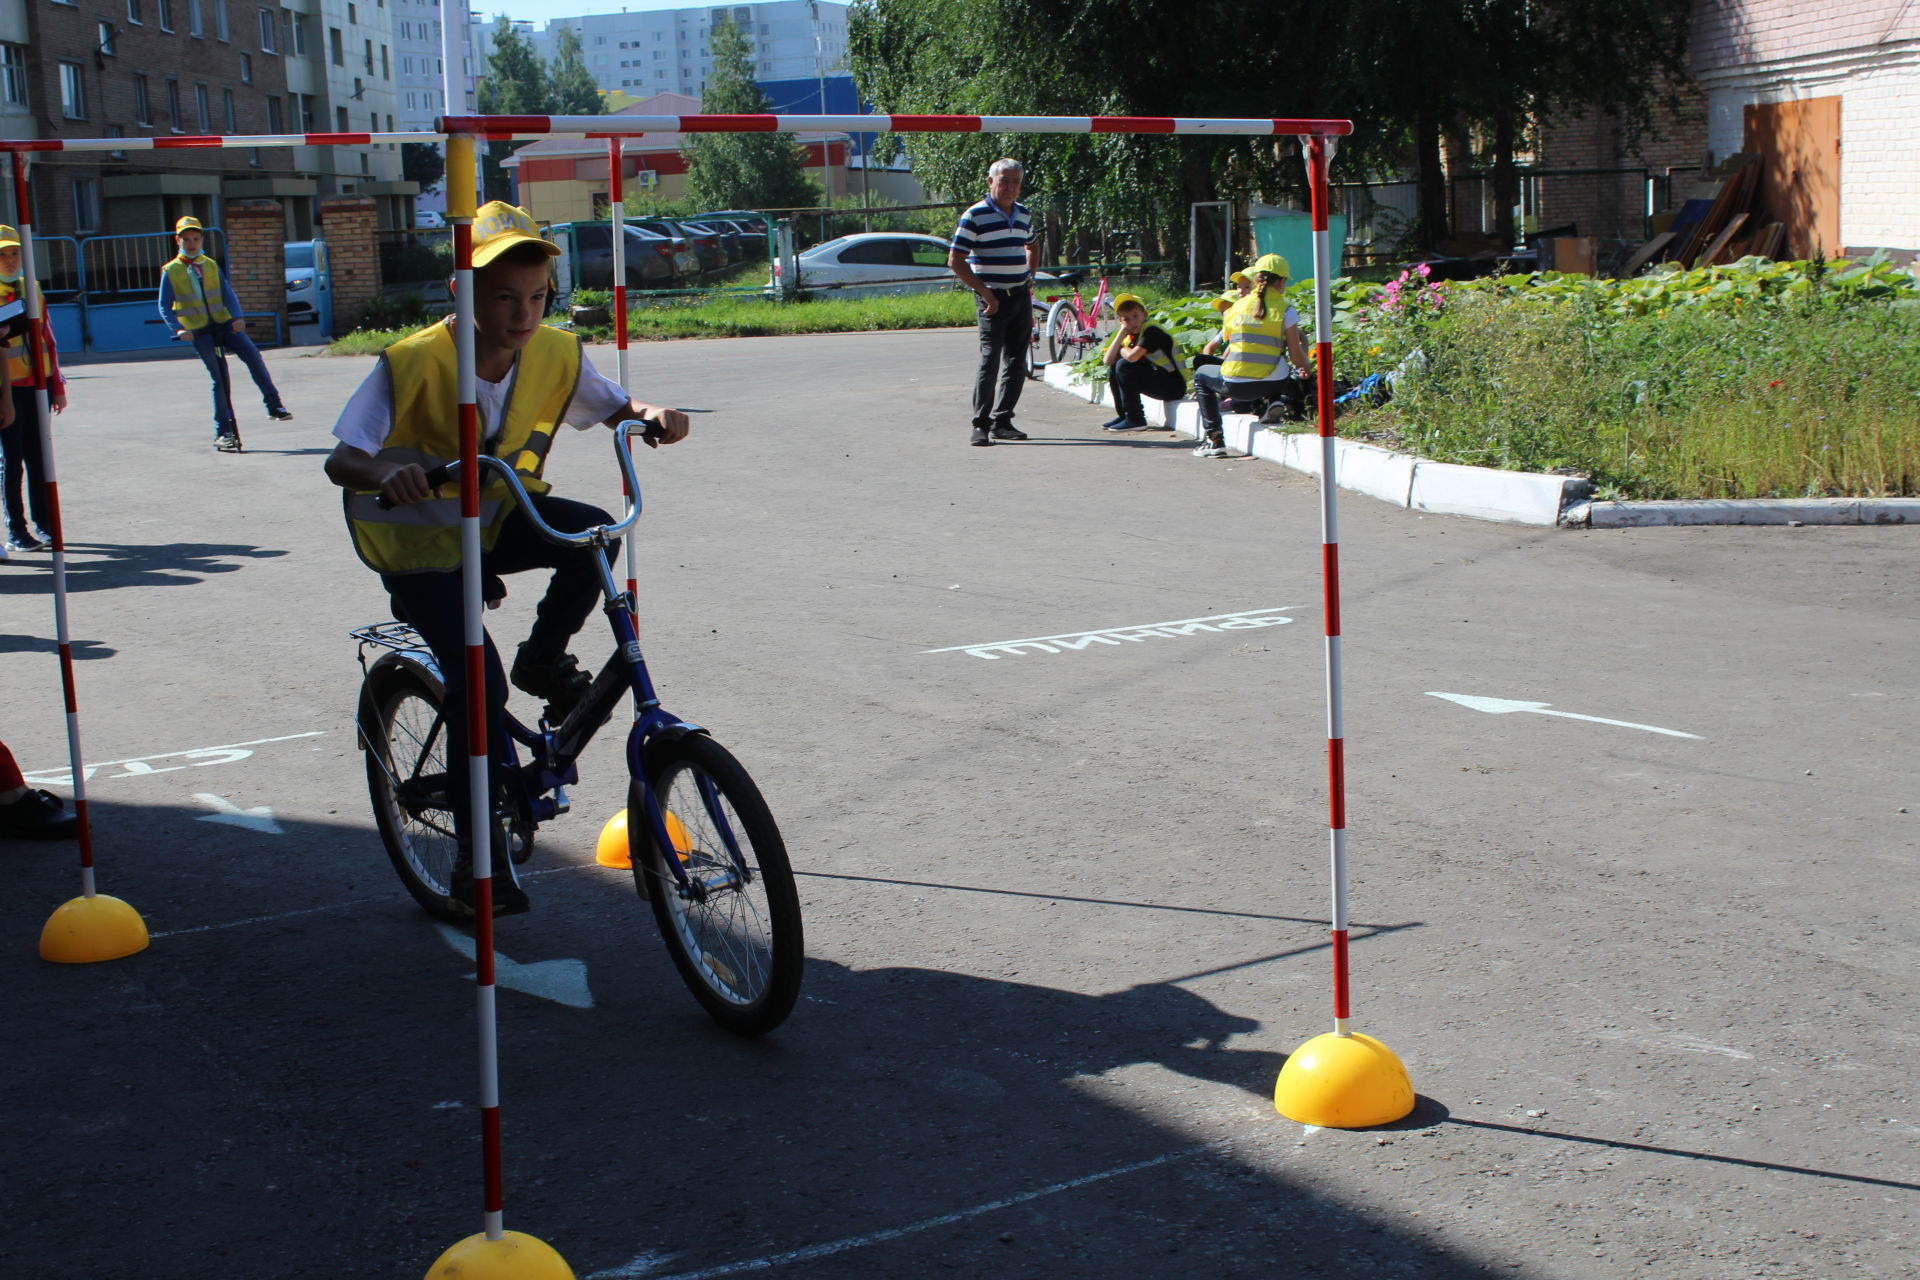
(1075, 328)
(724, 901)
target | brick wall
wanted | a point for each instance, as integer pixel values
(1731, 34)
(347, 225)
(1613, 205)
(256, 261)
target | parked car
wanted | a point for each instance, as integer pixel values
(686, 259)
(429, 218)
(872, 264)
(305, 260)
(649, 257)
(744, 218)
(725, 236)
(707, 245)
(748, 246)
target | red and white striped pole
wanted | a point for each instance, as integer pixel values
(617, 197)
(93, 926)
(1341, 1080)
(495, 1251)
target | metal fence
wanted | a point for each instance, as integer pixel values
(125, 268)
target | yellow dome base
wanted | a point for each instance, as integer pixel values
(1343, 1082)
(87, 930)
(514, 1256)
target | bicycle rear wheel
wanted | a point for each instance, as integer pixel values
(1063, 330)
(734, 929)
(1036, 367)
(406, 746)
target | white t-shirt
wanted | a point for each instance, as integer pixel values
(368, 418)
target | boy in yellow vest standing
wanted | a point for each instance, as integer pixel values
(198, 303)
(403, 422)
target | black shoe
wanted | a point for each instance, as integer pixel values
(280, 413)
(1113, 424)
(1124, 425)
(37, 815)
(980, 436)
(509, 899)
(227, 442)
(1007, 431)
(26, 542)
(556, 677)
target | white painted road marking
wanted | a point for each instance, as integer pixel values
(561, 981)
(198, 758)
(647, 1260)
(1245, 620)
(1501, 706)
(259, 818)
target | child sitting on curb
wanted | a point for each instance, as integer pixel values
(1142, 359)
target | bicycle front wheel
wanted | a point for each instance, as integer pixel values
(734, 928)
(1063, 327)
(1036, 367)
(406, 746)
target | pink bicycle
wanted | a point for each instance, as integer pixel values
(1074, 328)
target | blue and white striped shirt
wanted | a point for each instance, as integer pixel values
(995, 245)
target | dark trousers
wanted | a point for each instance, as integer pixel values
(207, 344)
(1210, 387)
(1004, 338)
(24, 466)
(1131, 379)
(431, 604)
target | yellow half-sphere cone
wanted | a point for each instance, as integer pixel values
(1343, 1082)
(86, 930)
(615, 849)
(514, 1256)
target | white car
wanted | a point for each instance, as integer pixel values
(874, 264)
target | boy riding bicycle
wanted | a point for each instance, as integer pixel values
(402, 422)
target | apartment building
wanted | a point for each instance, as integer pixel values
(667, 51)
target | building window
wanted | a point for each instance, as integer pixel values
(246, 68)
(202, 113)
(13, 75)
(367, 58)
(166, 14)
(86, 204)
(335, 48)
(276, 120)
(386, 70)
(105, 30)
(268, 32)
(226, 101)
(353, 16)
(196, 23)
(220, 31)
(173, 105)
(133, 13)
(339, 119)
(299, 35)
(73, 91)
(142, 105)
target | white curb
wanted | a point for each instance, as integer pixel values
(1485, 493)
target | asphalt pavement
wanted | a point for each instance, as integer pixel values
(1043, 725)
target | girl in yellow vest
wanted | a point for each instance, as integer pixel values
(1262, 332)
(403, 421)
(198, 303)
(20, 431)
(1142, 359)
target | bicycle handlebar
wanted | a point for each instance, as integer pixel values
(646, 428)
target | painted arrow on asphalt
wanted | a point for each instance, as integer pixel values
(259, 818)
(1502, 706)
(561, 981)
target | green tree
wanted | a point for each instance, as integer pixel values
(742, 170)
(515, 84)
(424, 163)
(572, 90)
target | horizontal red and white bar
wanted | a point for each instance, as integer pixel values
(625, 124)
(195, 142)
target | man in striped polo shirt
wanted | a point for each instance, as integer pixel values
(993, 253)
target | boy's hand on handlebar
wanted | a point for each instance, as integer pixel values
(673, 423)
(405, 484)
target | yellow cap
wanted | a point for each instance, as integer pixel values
(1239, 277)
(1273, 264)
(1225, 300)
(9, 238)
(187, 224)
(498, 226)
(1122, 299)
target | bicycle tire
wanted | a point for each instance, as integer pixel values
(741, 950)
(411, 742)
(1062, 326)
(1036, 367)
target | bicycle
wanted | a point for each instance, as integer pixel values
(1074, 328)
(725, 902)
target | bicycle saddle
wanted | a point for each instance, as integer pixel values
(1069, 277)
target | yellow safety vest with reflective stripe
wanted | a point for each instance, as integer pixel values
(1256, 348)
(19, 361)
(424, 537)
(189, 308)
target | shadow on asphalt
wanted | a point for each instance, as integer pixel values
(300, 1034)
(102, 566)
(82, 649)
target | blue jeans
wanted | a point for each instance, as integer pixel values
(207, 343)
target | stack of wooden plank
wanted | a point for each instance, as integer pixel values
(1715, 221)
